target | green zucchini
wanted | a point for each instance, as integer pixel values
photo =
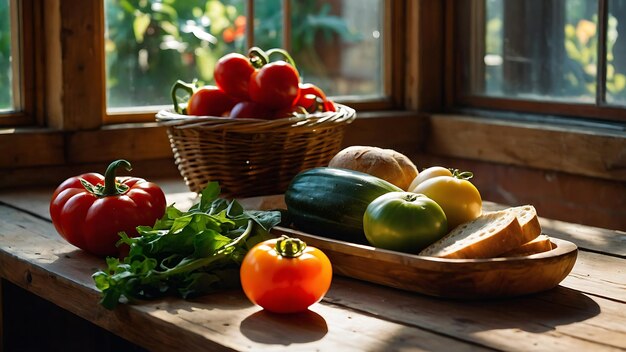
(330, 202)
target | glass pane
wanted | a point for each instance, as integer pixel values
(152, 43)
(6, 79)
(338, 45)
(268, 23)
(533, 49)
(616, 53)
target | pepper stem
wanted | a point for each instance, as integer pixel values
(284, 54)
(258, 58)
(110, 186)
(189, 88)
(289, 247)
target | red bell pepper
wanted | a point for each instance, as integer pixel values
(90, 210)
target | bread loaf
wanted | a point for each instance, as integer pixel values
(489, 235)
(387, 164)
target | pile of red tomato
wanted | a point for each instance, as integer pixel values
(254, 87)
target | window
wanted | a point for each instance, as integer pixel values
(558, 57)
(403, 63)
(337, 44)
(6, 71)
(17, 66)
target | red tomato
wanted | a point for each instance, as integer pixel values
(310, 102)
(329, 106)
(275, 85)
(210, 101)
(307, 89)
(291, 111)
(232, 74)
(90, 210)
(251, 110)
(283, 275)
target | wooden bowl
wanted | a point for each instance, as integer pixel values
(450, 278)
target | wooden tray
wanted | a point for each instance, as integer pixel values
(450, 278)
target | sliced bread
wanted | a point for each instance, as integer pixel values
(489, 235)
(538, 245)
(527, 217)
(484, 237)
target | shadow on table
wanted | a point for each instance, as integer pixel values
(278, 329)
(517, 323)
(536, 313)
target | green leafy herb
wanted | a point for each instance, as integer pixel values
(186, 253)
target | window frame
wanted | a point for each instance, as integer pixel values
(26, 66)
(457, 101)
(393, 71)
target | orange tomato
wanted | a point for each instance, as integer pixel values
(284, 275)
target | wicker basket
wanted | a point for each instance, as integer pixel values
(251, 157)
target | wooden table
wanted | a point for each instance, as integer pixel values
(587, 312)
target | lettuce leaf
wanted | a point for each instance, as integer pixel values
(186, 253)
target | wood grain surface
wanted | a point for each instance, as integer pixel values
(584, 312)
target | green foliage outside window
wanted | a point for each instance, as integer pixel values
(151, 44)
(577, 78)
(5, 57)
(581, 45)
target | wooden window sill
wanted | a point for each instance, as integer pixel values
(576, 150)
